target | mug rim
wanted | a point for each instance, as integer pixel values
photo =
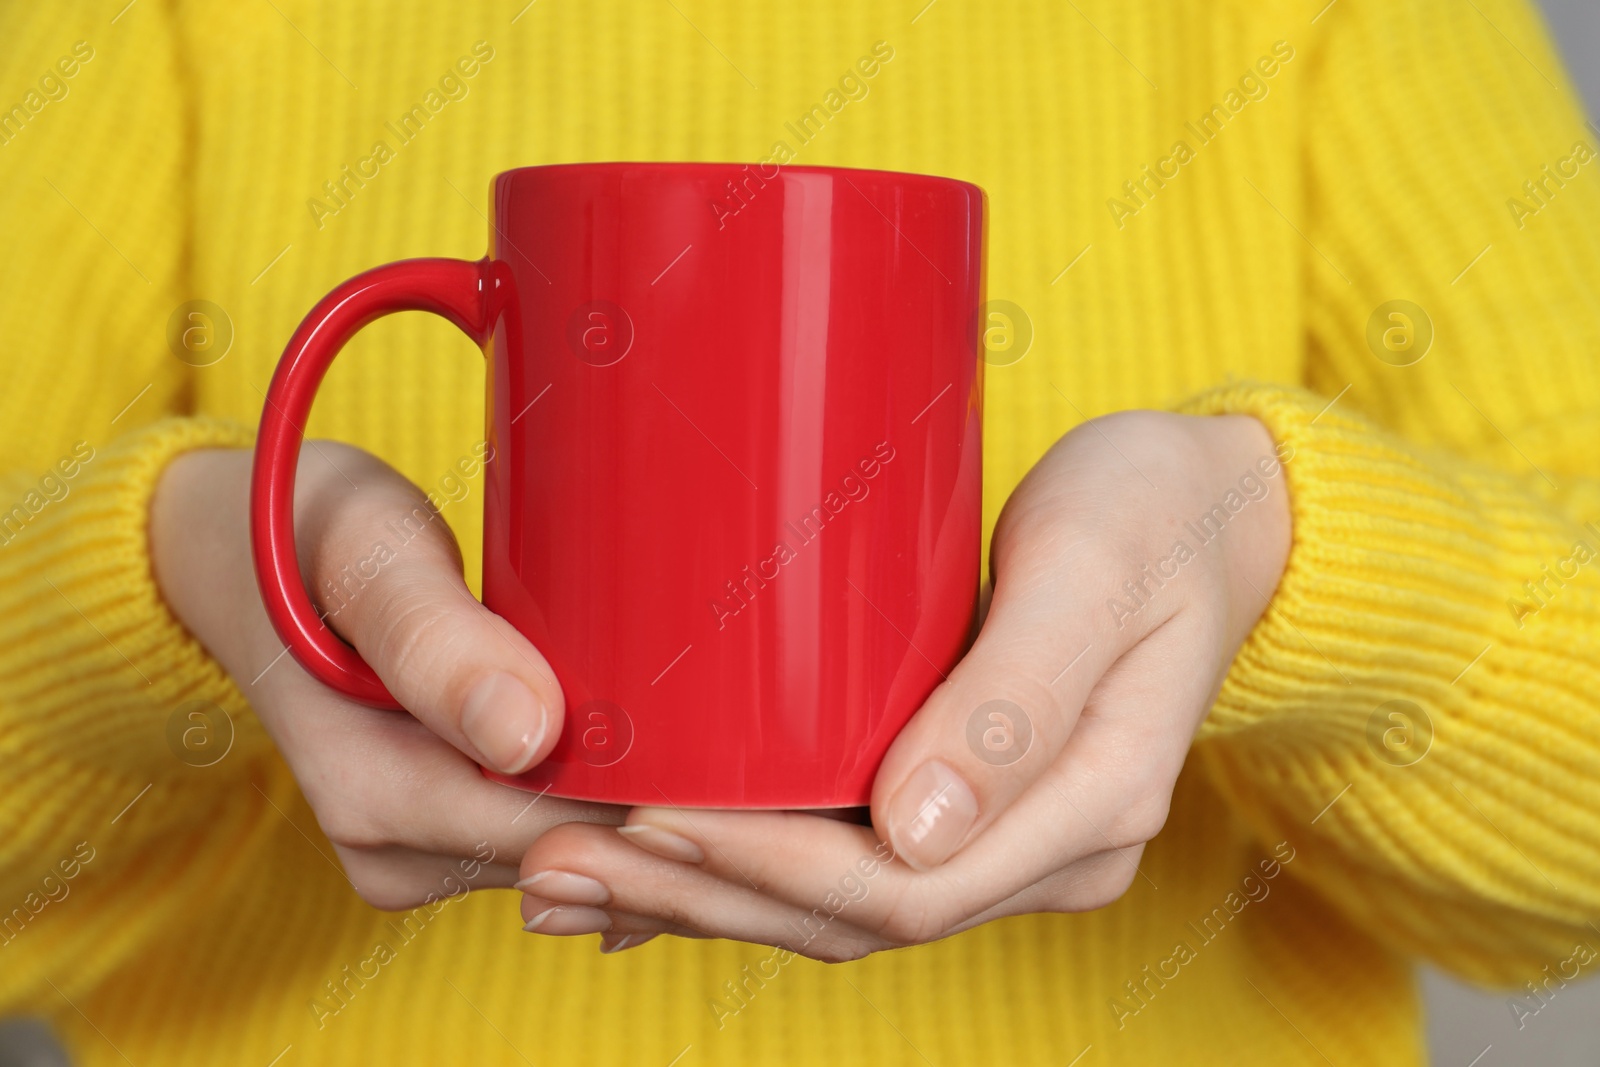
(689, 166)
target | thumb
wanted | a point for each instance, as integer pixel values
(400, 599)
(999, 721)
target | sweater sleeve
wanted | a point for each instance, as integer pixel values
(120, 739)
(1418, 712)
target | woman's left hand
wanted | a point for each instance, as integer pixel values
(1129, 566)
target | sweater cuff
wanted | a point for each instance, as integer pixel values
(1396, 582)
(89, 650)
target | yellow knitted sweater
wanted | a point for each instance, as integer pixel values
(1199, 204)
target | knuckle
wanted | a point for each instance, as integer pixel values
(1089, 885)
(1114, 548)
(377, 885)
(357, 553)
(411, 635)
(675, 912)
(568, 846)
(914, 919)
(353, 808)
(348, 822)
(837, 950)
(1141, 821)
(352, 829)
(385, 897)
(1106, 887)
(1133, 423)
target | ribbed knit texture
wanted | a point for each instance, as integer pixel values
(1378, 166)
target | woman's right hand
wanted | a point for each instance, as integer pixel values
(399, 794)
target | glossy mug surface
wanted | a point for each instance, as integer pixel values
(734, 491)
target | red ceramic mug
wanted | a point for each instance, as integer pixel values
(734, 488)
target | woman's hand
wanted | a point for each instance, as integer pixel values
(399, 795)
(1129, 566)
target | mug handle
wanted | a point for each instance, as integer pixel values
(456, 289)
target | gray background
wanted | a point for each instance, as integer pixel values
(1464, 1023)
(1576, 25)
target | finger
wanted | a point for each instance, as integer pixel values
(595, 869)
(552, 918)
(377, 780)
(619, 931)
(824, 869)
(617, 941)
(397, 879)
(1090, 883)
(873, 901)
(387, 572)
(1105, 796)
(1007, 709)
(791, 856)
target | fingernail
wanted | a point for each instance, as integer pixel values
(663, 843)
(566, 887)
(930, 815)
(610, 943)
(504, 721)
(565, 920)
